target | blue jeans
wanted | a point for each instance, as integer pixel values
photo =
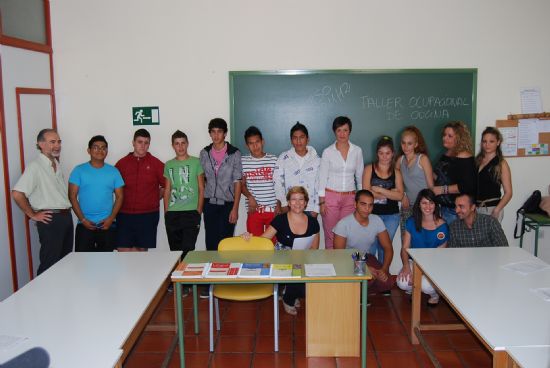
(448, 214)
(391, 222)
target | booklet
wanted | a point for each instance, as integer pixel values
(223, 270)
(319, 269)
(254, 270)
(190, 270)
(285, 270)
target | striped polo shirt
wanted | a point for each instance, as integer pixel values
(258, 173)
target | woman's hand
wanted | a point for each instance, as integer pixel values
(405, 202)
(246, 236)
(405, 276)
(323, 209)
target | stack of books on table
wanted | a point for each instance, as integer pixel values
(190, 270)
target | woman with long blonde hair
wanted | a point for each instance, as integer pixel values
(455, 172)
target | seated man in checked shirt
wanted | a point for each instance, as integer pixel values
(473, 229)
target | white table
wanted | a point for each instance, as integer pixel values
(496, 304)
(89, 308)
(530, 356)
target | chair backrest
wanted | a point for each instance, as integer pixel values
(238, 243)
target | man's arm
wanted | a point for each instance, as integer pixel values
(234, 214)
(339, 242)
(166, 193)
(23, 203)
(119, 196)
(252, 204)
(200, 205)
(73, 197)
(385, 242)
(496, 234)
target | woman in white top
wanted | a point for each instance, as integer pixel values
(340, 175)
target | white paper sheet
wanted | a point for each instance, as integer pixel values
(528, 132)
(526, 267)
(319, 269)
(9, 342)
(302, 243)
(531, 102)
(509, 143)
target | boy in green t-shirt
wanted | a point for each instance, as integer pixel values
(183, 196)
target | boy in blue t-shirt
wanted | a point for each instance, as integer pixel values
(91, 188)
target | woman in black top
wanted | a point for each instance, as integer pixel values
(455, 172)
(386, 184)
(292, 228)
(493, 173)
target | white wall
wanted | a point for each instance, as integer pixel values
(20, 68)
(109, 56)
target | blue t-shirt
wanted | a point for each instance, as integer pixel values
(427, 238)
(95, 189)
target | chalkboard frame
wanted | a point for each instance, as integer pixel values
(470, 72)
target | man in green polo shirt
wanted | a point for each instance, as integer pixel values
(41, 193)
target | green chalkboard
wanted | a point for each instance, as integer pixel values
(378, 102)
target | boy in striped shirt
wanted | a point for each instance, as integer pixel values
(258, 183)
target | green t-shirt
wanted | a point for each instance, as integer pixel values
(183, 175)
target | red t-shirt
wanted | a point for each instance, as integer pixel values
(143, 176)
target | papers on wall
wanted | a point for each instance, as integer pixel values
(537, 149)
(302, 243)
(509, 143)
(543, 293)
(528, 133)
(531, 102)
(526, 267)
(319, 269)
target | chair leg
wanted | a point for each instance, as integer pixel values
(217, 306)
(276, 317)
(211, 317)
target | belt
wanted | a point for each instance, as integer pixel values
(488, 202)
(337, 192)
(59, 210)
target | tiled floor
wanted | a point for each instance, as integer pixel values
(246, 338)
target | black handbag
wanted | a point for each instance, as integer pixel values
(531, 205)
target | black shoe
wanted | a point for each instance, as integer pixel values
(204, 293)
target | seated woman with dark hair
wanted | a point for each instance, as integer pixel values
(424, 229)
(291, 228)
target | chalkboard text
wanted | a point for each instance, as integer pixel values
(330, 95)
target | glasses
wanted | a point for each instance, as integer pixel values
(99, 148)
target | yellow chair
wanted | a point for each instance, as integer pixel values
(244, 292)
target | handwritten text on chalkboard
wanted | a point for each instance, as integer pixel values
(415, 107)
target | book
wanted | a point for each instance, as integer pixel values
(223, 270)
(319, 269)
(190, 270)
(254, 270)
(285, 270)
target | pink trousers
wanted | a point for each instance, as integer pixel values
(337, 205)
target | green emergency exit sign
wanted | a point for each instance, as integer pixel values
(147, 115)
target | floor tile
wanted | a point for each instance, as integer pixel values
(352, 362)
(391, 343)
(385, 327)
(239, 328)
(196, 344)
(448, 359)
(465, 341)
(263, 360)
(399, 360)
(234, 344)
(225, 360)
(265, 344)
(154, 342)
(147, 360)
(192, 360)
(301, 361)
(476, 358)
